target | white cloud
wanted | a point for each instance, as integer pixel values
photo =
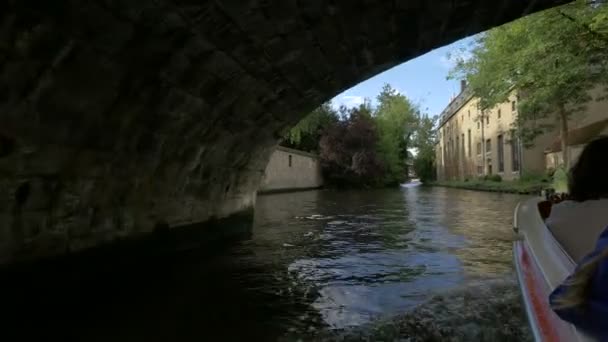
(349, 101)
(353, 100)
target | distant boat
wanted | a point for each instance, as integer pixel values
(541, 265)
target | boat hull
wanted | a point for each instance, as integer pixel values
(541, 264)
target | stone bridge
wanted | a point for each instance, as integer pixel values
(121, 118)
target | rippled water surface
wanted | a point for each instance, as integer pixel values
(419, 263)
(369, 255)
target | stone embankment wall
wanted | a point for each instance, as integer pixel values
(291, 170)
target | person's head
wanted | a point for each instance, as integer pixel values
(588, 178)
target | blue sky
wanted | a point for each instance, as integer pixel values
(422, 80)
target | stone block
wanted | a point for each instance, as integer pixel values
(44, 245)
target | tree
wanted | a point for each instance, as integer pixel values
(307, 133)
(395, 117)
(552, 58)
(348, 150)
(425, 140)
(365, 146)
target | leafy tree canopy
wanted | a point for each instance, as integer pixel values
(396, 119)
(552, 58)
(305, 135)
(366, 145)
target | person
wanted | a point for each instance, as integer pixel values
(577, 222)
(582, 299)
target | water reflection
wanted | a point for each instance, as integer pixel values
(317, 260)
(383, 252)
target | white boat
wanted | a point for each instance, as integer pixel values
(541, 265)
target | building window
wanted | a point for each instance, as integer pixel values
(479, 148)
(501, 154)
(489, 167)
(499, 112)
(463, 151)
(478, 125)
(289, 160)
(469, 113)
(479, 169)
(450, 149)
(469, 142)
(488, 145)
(457, 146)
(515, 154)
(488, 119)
(513, 106)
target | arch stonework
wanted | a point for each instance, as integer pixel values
(117, 117)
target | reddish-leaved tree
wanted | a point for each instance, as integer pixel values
(348, 150)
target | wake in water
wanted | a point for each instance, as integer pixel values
(484, 311)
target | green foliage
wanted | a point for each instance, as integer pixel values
(528, 176)
(560, 181)
(516, 186)
(366, 146)
(552, 58)
(395, 119)
(305, 135)
(494, 178)
(425, 139)
(491, 178)
(424, 166)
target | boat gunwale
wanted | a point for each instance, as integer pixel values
(527, 241)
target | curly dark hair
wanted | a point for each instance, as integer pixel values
(588, 178)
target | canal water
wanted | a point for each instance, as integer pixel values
(416, 264)
(394, 263)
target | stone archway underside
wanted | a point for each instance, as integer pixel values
(117, 117)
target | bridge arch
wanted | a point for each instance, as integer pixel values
(125, 116)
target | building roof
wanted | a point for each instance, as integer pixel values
(454, 106)
(579, 136)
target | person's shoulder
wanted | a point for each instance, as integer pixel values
(601, 275)
(602, 241)
(600, 249)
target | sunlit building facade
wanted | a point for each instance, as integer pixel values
(472, 143)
